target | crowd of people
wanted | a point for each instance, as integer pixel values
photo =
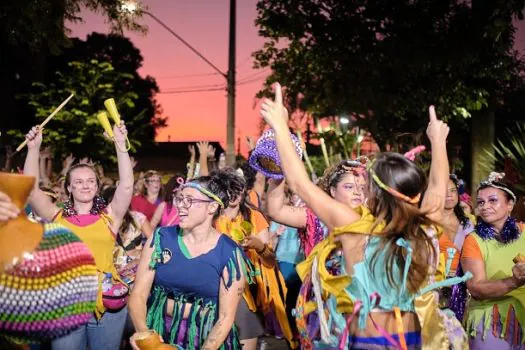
(375, 254)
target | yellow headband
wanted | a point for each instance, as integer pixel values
(393, 192)
(204, 191)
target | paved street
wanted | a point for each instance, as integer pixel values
(270, 343)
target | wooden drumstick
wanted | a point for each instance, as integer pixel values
(22, 145)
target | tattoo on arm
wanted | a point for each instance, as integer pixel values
(215, 336)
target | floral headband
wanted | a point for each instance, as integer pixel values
(393, 192)
(357, 167)
(496, 177)
(204, 191)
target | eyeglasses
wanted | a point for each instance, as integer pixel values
(187, 202)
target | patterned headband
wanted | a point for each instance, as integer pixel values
(393, 192)
(357, 166)
(204, 191)
(496, 177)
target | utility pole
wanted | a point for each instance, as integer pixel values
(230, 122)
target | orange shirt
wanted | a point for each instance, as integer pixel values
(471, 248)
(444, 244)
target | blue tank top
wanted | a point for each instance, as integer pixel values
(198, 276)
(194, 281)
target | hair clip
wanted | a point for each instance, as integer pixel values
(414, 152)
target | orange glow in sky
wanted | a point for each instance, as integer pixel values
(204, 24)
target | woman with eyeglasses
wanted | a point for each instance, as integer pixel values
(191, 277)
(85, 213)
(495, 314)
(151, 195)
(166, 213)
(344, 182)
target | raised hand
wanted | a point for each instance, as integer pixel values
(274, 112)
(211, 151)
(34, 137)
(121, 133)
(191, 149)
(203, 147)
(437, 130)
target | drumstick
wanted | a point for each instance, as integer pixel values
(48, 119)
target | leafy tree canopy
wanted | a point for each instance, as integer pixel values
(386, 61)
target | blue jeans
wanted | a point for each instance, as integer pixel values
(104, 334)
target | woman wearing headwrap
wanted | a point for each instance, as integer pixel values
(495, 315)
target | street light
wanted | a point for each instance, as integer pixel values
(133, 7)
(344, 120)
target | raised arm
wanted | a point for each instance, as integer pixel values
(203, 158)
(191, 164)
(330, 211)
(124, 191)
(278, 211)
(229, 299)
(434, 199)
(39, 201)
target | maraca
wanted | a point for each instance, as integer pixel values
(102, 117)
(104, 121)
(150, 340)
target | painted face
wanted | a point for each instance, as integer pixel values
(350, 190)
(492, 205)
(193, 207)
(83, 185)
(152, 184)
(452, 196)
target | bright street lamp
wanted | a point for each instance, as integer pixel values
(344, 120)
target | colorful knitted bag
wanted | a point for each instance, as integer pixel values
(51, 291)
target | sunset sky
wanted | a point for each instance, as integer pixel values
(204, 24)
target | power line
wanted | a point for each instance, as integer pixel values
(205, 87)
(189, 91)
(193, 75)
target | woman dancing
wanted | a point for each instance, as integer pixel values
(86, 215)
(390, 252)
(195, 273)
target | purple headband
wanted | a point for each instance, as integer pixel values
(265, 157)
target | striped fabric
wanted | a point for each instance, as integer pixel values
(51, 291)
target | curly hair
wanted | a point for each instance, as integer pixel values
(335, 173)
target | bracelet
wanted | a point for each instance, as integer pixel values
(262, 250)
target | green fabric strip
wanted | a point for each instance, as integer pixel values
(182, 246)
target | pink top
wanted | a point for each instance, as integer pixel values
(170, 217)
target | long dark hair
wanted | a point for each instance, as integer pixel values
(172, 185)
(127, 220)
(458, 210)
(403, 220)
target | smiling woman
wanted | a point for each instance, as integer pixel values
(196, 275)
(85, 213)
(496, 313)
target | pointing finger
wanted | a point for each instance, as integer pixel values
(432, 114)
(278, 93)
